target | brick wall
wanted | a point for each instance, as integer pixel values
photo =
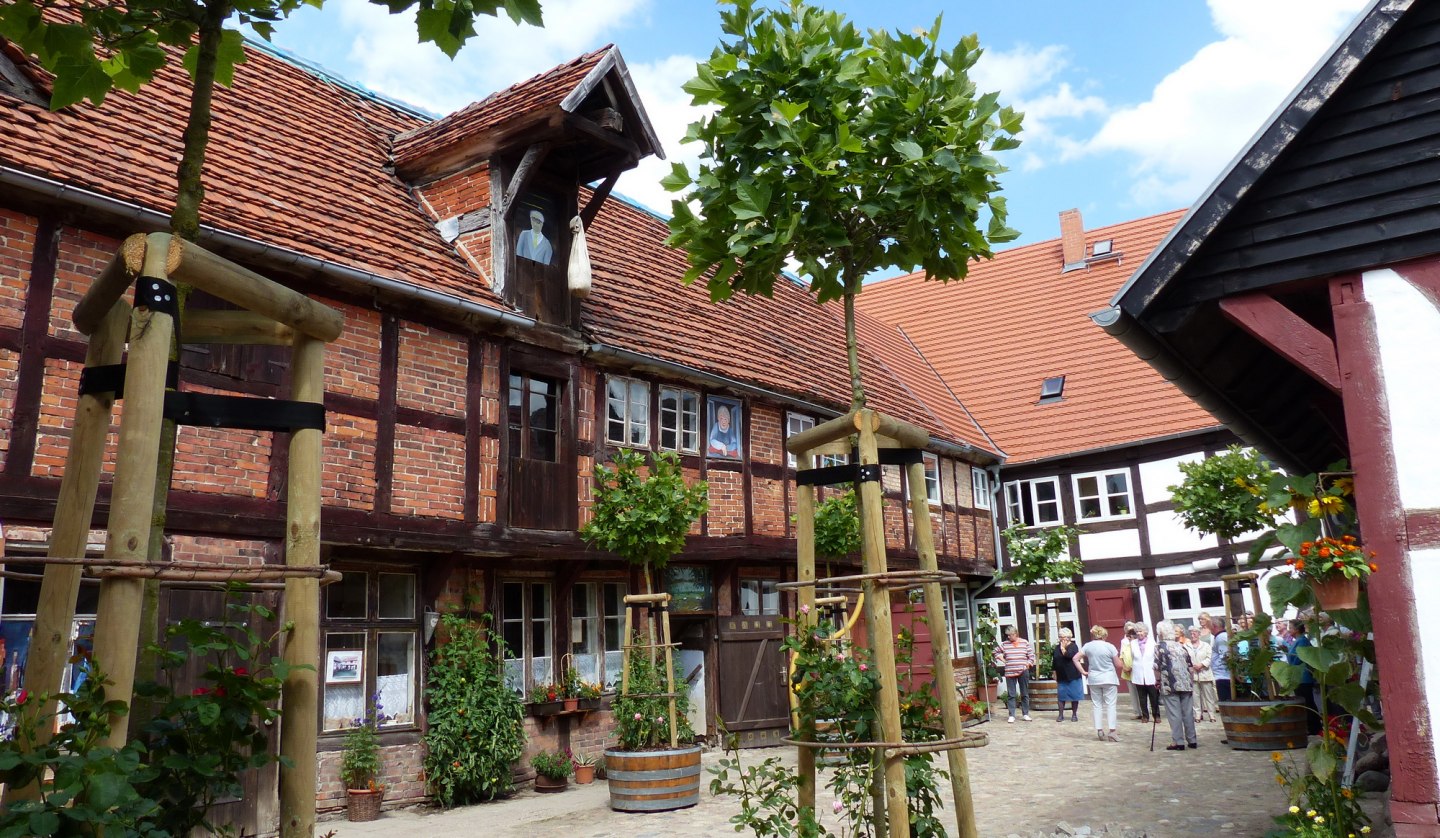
(767, 506)
(349, 462)
(221, 460)
(352, 361)
(17, 250)
(401, 772)
(894, 524)
(9, 370)
(429, 474)
(58, 400)
(195, 548)
(767, 434)
(458, 193)
(432, 370)
(81, 258)
(727, 503)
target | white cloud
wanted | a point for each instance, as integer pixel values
(1018, 71)
(1024, 77)
(670, 111)
(1201, 114)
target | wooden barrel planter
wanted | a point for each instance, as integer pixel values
(653, 781)
(1043, 695)
(1246, 731)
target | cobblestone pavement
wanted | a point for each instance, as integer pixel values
(1030, 778)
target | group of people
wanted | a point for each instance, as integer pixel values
(1182, 669)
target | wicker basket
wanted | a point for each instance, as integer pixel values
(363, 804)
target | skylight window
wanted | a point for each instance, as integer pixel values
(1102, 247)
(1052, 389)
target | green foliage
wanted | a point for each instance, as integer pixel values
(1224, 495)
(768, 793)
(987, 639)
(1319, 805)
(476, 725)
(643, 518)
(1044, 660)
(360, 759)
(1035, 557)
(553, 764)
(1250, 670)
(97, 46)
(837, 526)
(185, 758)
(642, 718)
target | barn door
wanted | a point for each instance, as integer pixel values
(256, 811)
(1111, 609)
(752, 679)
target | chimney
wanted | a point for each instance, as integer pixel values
(1072, 240)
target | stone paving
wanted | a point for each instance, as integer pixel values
(1031, 778)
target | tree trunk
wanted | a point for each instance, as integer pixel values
(852, 351)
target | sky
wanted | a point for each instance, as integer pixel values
(1133, 107)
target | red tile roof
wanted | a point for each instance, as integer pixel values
(546, 90)
(1016, 320)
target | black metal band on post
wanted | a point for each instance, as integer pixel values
(868, 474)
(243, 412)
(157, 294)
(852, 473)
(110, 378)
(901, 456)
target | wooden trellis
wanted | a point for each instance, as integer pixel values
(628, 647)
(902, 443)
(272, 314)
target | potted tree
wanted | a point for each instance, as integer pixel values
(552, 771)
(360, 770)
(1036, 560)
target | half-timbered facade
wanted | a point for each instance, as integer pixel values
(473, 390)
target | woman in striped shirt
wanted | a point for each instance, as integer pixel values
(1016, 657)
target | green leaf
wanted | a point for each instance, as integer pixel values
(678, 179)
(264, 29)
(1284, 588)
(908, 149)
(44, 823)
(787, 112)
(230, 53)
(1287, 675)
(1322, 760)
(77, 79)
(1319, 658)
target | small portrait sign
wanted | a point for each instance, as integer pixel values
(724, 421)
(344, 667)
(536, 218)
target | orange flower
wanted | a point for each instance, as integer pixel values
(1300, 564)
(1338, 565)
(1349, 539)
(1374, 568)
(1290, 561)
(1324, 552)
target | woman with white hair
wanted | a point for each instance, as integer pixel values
(1174, 679)
(1206, 703)
(1143, 676)
(1098, 662)
(1069, 683)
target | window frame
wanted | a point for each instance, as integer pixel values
(932, 477)
(962, 640)
(766, 590)
(601, 621)
(1064, 618)
(1187, 616)
(1104, 497)
(527, 631)
(980, 488)
(1002, 621)
(372, 625)
(680, 414)
(629, 421)
(1017, 502)
(526, 444)
(791, 421)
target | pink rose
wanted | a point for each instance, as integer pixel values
(864, 668)
(804, 609)
(839, 807)
(659, 720)
(638, 717)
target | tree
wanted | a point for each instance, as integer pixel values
(1035, 557)
(643, 518)
(838, 152)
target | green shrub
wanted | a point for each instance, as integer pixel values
(553, 764)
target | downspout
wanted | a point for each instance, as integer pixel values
(260, 252)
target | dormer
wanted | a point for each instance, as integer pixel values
(503, 176)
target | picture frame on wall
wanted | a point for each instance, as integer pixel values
(537, 221)
(344, 666)
(725, 439)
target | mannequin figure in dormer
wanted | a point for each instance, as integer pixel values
(532, 243)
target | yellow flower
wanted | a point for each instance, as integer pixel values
(1364, 830)
(1347, 794)
(1275, 756)
(1319, 819)
(1309, 813)
(1331, 504)
(1346, 486)
(1294, 810)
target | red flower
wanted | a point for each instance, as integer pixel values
(22, 697)
(219, 692)
(200, 691)
(241, 671)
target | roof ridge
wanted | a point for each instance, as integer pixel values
(328, 76)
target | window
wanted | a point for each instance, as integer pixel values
(525, 629)
(597, 628)
(1052, 389)
(1103, 495)
(980, 487)
(534, 417)
(957, 615)
(1002, 611)
(1035, 503)
(796, 423)
(1046, 621)
(372, 640)
(19, 602)
(1182, 604)
(627, 412)
(679, 420)
(932, 477)
(759, 597)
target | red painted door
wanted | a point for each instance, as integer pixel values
(1111, 609)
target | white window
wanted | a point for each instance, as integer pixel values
(796, 423)
(597, 624)
(932, 477)
(627, 412)
(1047, 620)
(1035, 503)
(759, 597)
(980, 487)
(679, 420)
(1182, 604)
(525, 629)
(957, 615)
(372, 629)
(1103, 495)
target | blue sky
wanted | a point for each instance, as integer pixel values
(1133, 106)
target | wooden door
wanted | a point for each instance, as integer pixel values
(540, 447)
(753, 679)
(1111, 609)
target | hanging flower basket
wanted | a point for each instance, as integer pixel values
(1336, 593)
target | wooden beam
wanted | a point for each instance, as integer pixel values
(234, 327)
(604, 136)
(524, 174)
(805, 616)
(108, 287)
(1268, 320)
(597, 198)
(35, 326)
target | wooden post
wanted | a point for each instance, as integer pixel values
(805, 616)
(626, 647)
(117, 624)
(944, 670)
(55, 615)
(300, 711)
(882, 639)
(669, 665)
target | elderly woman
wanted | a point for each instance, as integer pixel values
(1206, 702)
(1099, 662)
(1174, 680)
(1016, 656)
(1143, 676)
(1127, 668)
(1069, 685)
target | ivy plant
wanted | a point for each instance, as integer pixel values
(840, 153)
(643, 510)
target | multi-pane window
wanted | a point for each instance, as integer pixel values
(627, 412)
(1002, 611)
(1183, 603)
(932, 477)
(372, 640)
(1103, 495)
(759, 597)
(1035, 503)
(525, 630)
(534, 417)
(980, 487)
(679, 420)
(597, 628)
(1049, 613)
(796, 423)
(957, 615)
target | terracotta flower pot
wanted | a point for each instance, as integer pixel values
(584, 775)
(550, 785)
(363, 804)
(1336, 593)
(572, 704)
